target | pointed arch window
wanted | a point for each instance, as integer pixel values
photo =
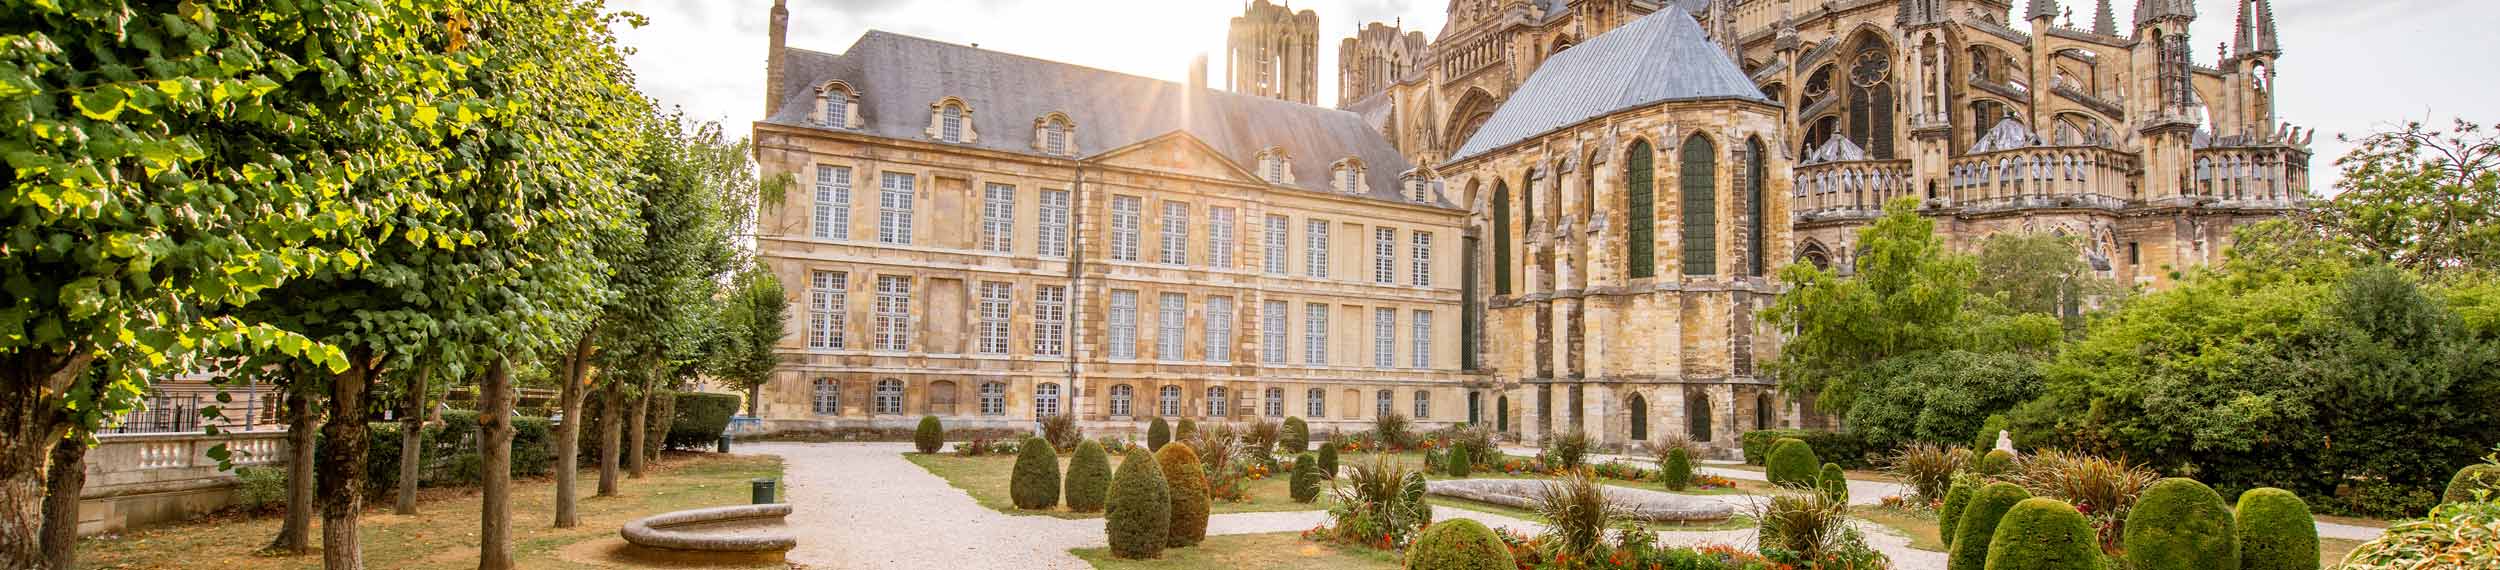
(1698, 172)
(1501, 238)
(1755, 238)
(1640, 200)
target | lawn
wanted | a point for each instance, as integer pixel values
(985, 478)
(1918, 524)
(1272, 551)
(444, 533)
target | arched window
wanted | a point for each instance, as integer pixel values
(1755, 240)
(1501, 413)
(1870, 97)
(1057, 136)
(1764, 414)
(1501, 238)
(1640, 417)
(828, 397)
(1169, 404)
(1315, 403)
(1272, 165)
(993, 399)
(1701, 206)
(1275, 402)
(1384, 403)
(833, 104)
(1121, 397)
(1697, 411)
(951, 123)
(889, 396)
(1423, 404)
(1045, 400)
(1217, 405)
(1348, 175)
(1640, 200)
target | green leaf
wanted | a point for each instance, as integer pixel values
(103, 104)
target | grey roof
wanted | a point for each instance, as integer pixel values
(2009, 134)
(898, 77)
(1836, 149)
(1661, 57)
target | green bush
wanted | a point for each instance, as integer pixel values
(259, 489)
(2046, 534)
(1328, 460)
(1792, 464)
(1157, 434)
(2180, 524)
(450, 454)
(2483, 477)
(1183, 431)
(1847, 449)
(701, 417)
(2276, 531)
(1297, 437)
(1986, 439)
(1458, 544)
(1089, 478)
(1435, 461)
(1140, 516)
(1305, 483)
(1833, 483)
(930, 437)
(1677, 470)
(1188, 484)
(1996, 462)
(1460, 464)
(1035, 484)
(1977, 525)
(1956, 498)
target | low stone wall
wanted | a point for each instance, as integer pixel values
(138, 480)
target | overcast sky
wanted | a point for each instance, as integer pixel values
(2349, 66)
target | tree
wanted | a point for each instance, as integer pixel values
(2040, 273)
(1906, 296)
(696, 187)
(753, 318)
(2420, 198)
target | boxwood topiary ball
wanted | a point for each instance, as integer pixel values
(2276, 531)
(1977, 525)
(2180, 524)
(2045, 534)
(1792, 463)
(1458, 544)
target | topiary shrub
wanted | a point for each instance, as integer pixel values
(2046, 534)
(1035, 483)
(2276, 531)
(701, 417)
(1305, 483)
(1157, 434)
(1297, 435)
(1677, 470)
(1139, 519)
(1977, 525)
(1089, 478)
(1188, 484)
(1994, 463)
(930, 437)
(1955, 499)
(1184, 432)
(1833, 483)
(1792, 464)
(1328, 461)
(2483, 477)
(2180, 524)
(1458, 544)
(1460, 464)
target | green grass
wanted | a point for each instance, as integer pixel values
(1274, 551)
(1737, 522)
(1918, 524)
(986, 478)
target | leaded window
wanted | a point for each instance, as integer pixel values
(893, 312)
(826, 316)
(998, 218)
(1701, 214)
(894, 206)
(1640, 238)
(1124, 221)
(833, 202)
(1051, 239)
(1124, 324)
(996, 303)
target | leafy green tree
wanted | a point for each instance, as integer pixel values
(2420, 198)
(1940, 397)
(1905, 297)
(753, 316)
(2038, 273)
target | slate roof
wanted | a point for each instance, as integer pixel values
(899, 76)
(1661, 57)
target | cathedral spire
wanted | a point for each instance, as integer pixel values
(2104, 22)
(2266, 43)
(2042, 9)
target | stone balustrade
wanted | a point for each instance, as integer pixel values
(2041, 176)
(136, 480)
(2253, 176)
(1849, 188)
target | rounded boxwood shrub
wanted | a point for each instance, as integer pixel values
(1305, 483)
(1297, 435)
(1833, 483)
(2045, 534)
(1157, 434)
(930, 436)
(1140, 517)
(2180, 524)
(1677, 470)
(1035, 484)
(1328, 460)
(1089, 478)
(1977, 525)
(1458, 544)
(2276, 531)
(1994, 463)
(1186, 431)
(1188, 483)
(1792, 463)
(1460, 464)
(2483, 477)
(1955, 498)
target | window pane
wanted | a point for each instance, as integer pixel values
(1384, 337)
(1053, 233)
(894, 209)
(1421, 253)
(1422, 339)
(996, 304)
(1124, 324)
(1315, 334)
(1272, 332)
(1219, 329)
(893, 312)
(998, 218)
(1175, 234)
(1315, 248)
(1384, 255)
(1174, 309)
(1050, 319)
(827, 319)
(1220, 238)
(833, 202)
(1124, 221)
(1276, 244)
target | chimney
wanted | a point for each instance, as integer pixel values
(772, 57)
(1198, 72)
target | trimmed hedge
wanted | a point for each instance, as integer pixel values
(1297, 435)
(1305, 483)
(1458, 544)
(1328, 460)
(2276, 531)
(1792, 463)
(1157, 434)
(1996, 462)
(1035, 483)
(1956, 498)
(1677, 471)
(1188, 484)
(450, 456)
(1977, 525)
(1140, 516)
(1849, 450)
(930, 437)
(2180, 524)
(2483, 477)
(1089, 478)
(701, 418)
(2047, 534)
(1459, 464)
(663, 417)
(1833, 483)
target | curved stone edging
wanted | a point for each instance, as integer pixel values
(663, 531)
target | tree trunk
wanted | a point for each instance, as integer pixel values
(412, 439)
(342, 467)
(32, 382)
(611, 413)
(569, 433)
(294, 535)
(494, 532)
(755, 394)
(60, 505)
(635, 460)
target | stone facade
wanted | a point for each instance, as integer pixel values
(1273, 51)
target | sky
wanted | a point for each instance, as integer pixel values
(2348, 66)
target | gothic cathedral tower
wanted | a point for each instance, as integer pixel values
(1273, 51)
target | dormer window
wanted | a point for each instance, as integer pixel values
(1054, 135)
(950, 120)
(1272, 166)
(1348, 175)
(951, 124)
(836, 105)
(1417, 185)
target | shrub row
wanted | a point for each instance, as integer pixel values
(1849, 450)
(450, 451)
(701, 417)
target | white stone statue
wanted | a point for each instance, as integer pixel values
(2005, 441)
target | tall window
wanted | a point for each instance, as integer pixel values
(893, 312)
(1124, 214)
(1052, 236)
(1055, 137)
(1384, 255)
(1050, 320)
(1315, 334)
(1175, 234)
(1121, 399)
(828, 397)
(1384, 403)
(837, 108)
(998, 218)
(1123, 324)
(1217, 403)
(1168, 401)
(1420, 254)
(826, 316)
(1174, 311)
(1045, 400)
(1275, 401)
(1384, 337)
(1422, 340)
(1701, 222)
(993, 399)
(1219, 329)
(889, 396)
(1423, 404)
(1276, 244)
(1501, 238)
(1315, 245)
(1315, 403)
(1220, 237)
(951, 124)
(1754, 239)
(1641, 233)
(894, 209)
(996, 302)
(833, 202)
(1272, 332)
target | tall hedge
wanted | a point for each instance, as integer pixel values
(1297, 435)
(1955, 499)
(2483, 477)
(1459, 464)
(2276, 531)
(1188, 482)
(1305, 483)
(701, 417)
(930, 437)
(1458, 544)
(1139, 519)
(1833, 483)
(1157, 434)
(1677, 470)
(1996, 462)
(2047, 534)
(1328, 460)
(1977, 525)
(1089, 478)
(1792, 463)
(1035, 482)
(2180, 524)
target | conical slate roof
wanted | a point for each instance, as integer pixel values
(1658, 58)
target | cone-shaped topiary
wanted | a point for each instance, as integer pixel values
(2180, 524)
(1328, 460)
(2483, 477)
(2276, 531)
(1140, 517)
(1188, 482)
(1957, 497)
(1460, 465)
(1089, 478)
(1458, 544)
(1157, 434)
(1035, 484)
(1678, 469)
(1833, 483)
(1791, 464)
(1305, 483)
(1994, 463)
(1296, 437)
(1186, 431)
(2046, 534)
(1977, 525)
(930, 437)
